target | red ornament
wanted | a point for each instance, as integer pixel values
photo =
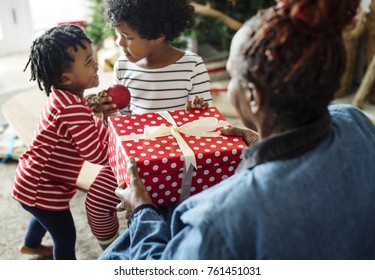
(120, 95)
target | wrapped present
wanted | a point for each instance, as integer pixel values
(178, 154)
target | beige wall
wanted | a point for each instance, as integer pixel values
(16, 26)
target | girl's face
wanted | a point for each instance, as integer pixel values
(134, 47)
(83, 73)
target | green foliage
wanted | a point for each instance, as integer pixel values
(213, 31)
(207, 30)
(96, 28)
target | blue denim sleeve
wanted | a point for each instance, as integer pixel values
(148, 238)
(194, 234)
(145, 238)
(149, 235)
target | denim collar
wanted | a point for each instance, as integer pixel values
(289, 144)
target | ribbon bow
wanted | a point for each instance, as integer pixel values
(203, 127)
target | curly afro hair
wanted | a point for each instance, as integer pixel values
(151, 18)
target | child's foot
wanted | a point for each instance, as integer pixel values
(45, 251)
(105, 243)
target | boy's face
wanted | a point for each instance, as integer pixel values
(83, 73)
(134, 47)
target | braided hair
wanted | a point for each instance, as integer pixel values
(295, 55)
(49, 59)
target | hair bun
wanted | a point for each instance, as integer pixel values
(321, 17)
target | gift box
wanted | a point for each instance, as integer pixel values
(178, 154)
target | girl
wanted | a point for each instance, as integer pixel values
(63, 64)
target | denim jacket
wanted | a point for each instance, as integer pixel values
(304, 194)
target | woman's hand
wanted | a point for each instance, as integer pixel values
(108, 108)
(197, 102)
(247, 135)
(135, 194)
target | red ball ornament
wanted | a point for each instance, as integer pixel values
(120, 95)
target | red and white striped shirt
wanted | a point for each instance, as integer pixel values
(67, 134)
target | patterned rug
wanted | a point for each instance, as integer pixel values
(10, 145)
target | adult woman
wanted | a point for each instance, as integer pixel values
(304, 191)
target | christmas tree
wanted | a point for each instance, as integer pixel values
(96, 28)
(208, 30)
(213, 31)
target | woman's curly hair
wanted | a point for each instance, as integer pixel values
(295, 55)
(151, 18)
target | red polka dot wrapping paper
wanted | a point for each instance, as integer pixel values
(160, 160)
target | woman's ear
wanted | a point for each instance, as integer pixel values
(254, 97)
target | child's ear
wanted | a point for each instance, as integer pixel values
(66, 79)
(160, 39)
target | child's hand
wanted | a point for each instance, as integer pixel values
(108, 108)
(197, 102)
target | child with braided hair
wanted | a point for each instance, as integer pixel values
(63, 63)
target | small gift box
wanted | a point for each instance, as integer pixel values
(178, 154)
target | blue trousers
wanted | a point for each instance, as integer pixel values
(59, 224)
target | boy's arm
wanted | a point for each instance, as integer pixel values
(200, 94)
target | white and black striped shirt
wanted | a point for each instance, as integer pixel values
(167, 88)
